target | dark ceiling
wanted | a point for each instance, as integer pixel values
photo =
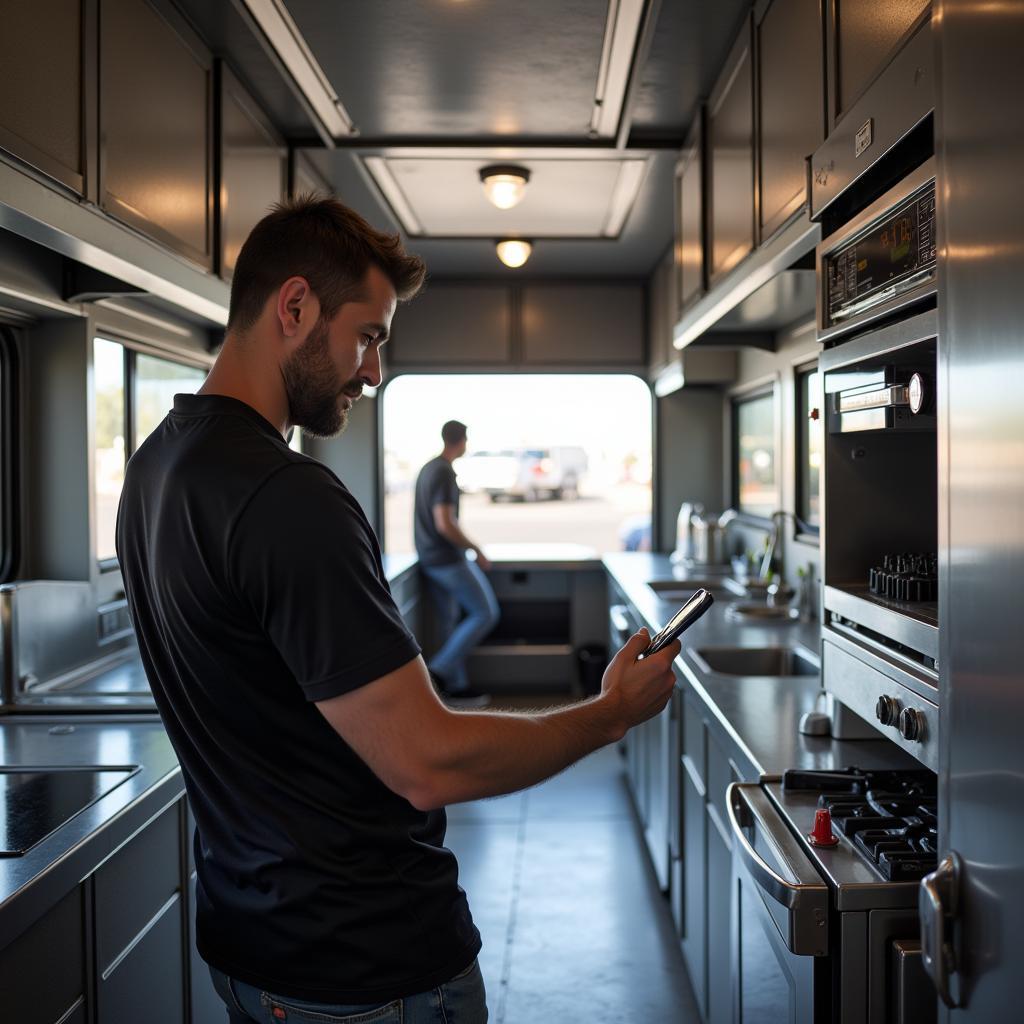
(485, 73)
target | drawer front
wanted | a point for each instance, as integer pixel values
(134, 884)
(694, 742)
(517, 584)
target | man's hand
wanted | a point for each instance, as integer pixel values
(635, 691)
(482, 560)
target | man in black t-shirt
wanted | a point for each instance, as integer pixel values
(455, 582)
(316, 755)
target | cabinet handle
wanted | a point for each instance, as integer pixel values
(937, 905)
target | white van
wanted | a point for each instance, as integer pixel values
(527, 474)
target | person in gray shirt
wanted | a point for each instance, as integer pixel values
(455, 581)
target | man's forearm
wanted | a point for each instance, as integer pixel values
(491, 753)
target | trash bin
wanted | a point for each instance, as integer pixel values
(591, 660)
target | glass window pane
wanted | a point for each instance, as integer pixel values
(108, 378)
(157, 381)
(754, 453)
(811, 440)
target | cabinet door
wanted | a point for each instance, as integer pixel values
(719, 920)
(791, 97)
(657, 800)
(661, 313)
(253, 169)
(731, 147)
(863, 35)
(42, 79)
(694, 875)
(690, 218)
(156, 144)
(42, 972)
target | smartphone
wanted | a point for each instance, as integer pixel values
(683, 619)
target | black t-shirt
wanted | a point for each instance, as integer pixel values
(256, 587)
(435, 485)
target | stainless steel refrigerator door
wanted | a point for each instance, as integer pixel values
(980, 170)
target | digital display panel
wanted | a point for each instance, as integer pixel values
(895, 251)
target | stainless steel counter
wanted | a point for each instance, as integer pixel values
(756, 716)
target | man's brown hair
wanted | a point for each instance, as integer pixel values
(322, 240)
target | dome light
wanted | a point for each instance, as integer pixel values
(514, 252)
(504, 184)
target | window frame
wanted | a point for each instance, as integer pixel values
(762, 389)
(801, 446)
(10, 475)
(131, 350)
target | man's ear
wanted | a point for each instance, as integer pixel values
(297, 307)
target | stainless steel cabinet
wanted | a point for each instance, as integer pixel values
(156, 171)
(690, 220)
(45, 91)
(862, 35)
(731, 159)
(253, 168)
(791, 105)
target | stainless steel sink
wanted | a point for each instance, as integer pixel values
(755, 661)
(680, 590)
(762, 613)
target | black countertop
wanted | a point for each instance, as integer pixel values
(756, 716)
(30, 883)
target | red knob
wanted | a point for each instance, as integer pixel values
(822, 834)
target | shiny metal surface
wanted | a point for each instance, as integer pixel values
(756, 661)
(939, 893)
(913, 625)
(887, 201)
(762, 613)
(980, 154)
(757, 722)
(802, 893)
(900, 98)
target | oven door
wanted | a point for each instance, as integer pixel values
(780, 918)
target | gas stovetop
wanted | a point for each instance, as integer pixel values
(889, 816)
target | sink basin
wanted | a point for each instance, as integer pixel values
(762, 613)
(680, 590)
(756, 661)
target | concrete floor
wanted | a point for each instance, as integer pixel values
(574, 927)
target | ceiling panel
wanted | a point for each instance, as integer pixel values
(468, 68)
(564, 198)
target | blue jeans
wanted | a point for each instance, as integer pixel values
(462, 584)
(459, 1001)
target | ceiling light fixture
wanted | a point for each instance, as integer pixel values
(288, 44)
(504, 184)
(514, 252)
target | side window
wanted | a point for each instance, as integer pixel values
(754, 458)
(809, 443)
(110, 448)
(133, 392)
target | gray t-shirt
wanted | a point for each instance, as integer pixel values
(435, 486)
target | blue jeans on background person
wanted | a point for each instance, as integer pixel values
(462, 584)
(459, 1001)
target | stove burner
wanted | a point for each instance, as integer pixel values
(906, 577)
(890, 816)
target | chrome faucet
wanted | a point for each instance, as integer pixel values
(773, 540)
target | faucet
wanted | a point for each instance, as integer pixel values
(774, 535)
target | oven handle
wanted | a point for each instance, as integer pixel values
(806, 896)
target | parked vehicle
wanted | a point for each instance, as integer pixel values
(527, 474)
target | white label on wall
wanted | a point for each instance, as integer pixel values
(863, 139)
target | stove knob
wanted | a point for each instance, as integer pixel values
(887, 710)
(912, 724)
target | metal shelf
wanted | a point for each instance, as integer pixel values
(914, 624)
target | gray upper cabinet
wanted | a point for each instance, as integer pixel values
(661, 310)
(731, 163)
(453, 325)
(156, 170)
(583, 324)
(690, 220)
(862, 36)
(791, 97)
(44, 96)
(254, 168)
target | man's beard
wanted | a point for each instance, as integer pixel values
(314, 388)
